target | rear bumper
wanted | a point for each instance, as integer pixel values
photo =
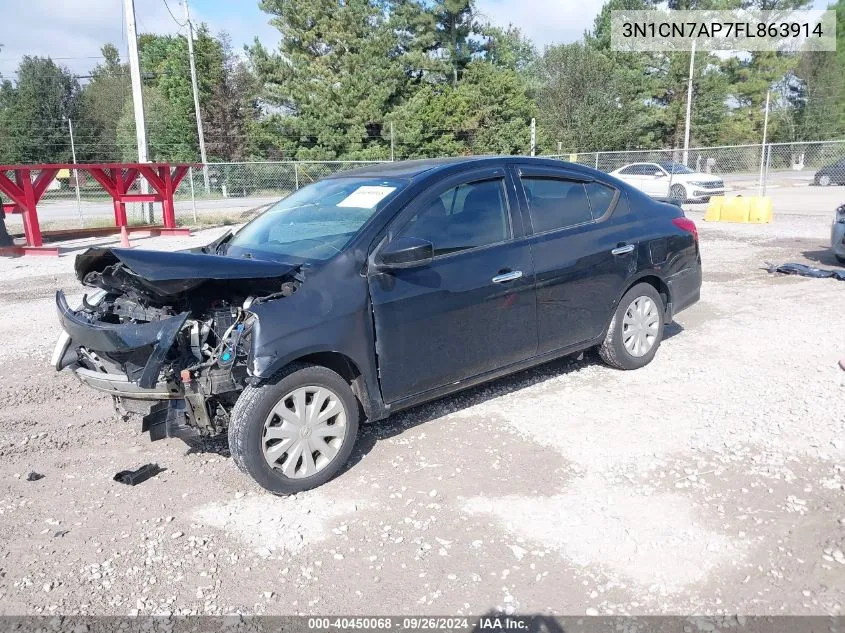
(685, 288)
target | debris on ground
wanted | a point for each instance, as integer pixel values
(135, 477)
(34, 476)
(806, 271)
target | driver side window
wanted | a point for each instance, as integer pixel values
(467, 216)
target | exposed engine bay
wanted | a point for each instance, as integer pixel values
(167, 334)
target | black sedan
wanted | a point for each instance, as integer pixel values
(371, 292)
(833, 174)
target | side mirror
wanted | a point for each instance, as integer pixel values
(406, 252)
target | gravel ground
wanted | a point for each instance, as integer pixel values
(710, 481)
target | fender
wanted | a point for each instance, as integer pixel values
(636, 277)
(365, 386)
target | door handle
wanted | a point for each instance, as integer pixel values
(506, 277)
(621, 250)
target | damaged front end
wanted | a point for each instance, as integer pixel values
(167, 334)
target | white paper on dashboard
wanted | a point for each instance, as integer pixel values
(366, 197)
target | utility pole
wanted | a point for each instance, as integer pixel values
(137, 97)
(392, 153)
(689, 103)
(762, 185)
(533, 136)
(200, 135)
(75, 173)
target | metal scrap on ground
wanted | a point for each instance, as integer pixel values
(806, 271)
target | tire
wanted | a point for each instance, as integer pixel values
(613, 350)
(824, 181)
(253, 417)
(840, 259)
(678, 192)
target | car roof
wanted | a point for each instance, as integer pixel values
(413, 168)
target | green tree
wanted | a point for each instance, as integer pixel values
(816, 90)
(488, 112)
(231, 108)
(166, 68)
(587, 114)
(35, 111)
(170, 136)
(654, 85)
(104, 98)
(333, 79)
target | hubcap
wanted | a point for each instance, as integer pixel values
(304, 432)
(640, 326)
(824, 181)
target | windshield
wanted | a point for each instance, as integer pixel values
(676, 168)
(317, 221)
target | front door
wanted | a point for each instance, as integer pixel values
(472, 309)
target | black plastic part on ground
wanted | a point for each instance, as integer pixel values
(806, 271)
(135, 477)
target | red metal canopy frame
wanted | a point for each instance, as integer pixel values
(115, 178)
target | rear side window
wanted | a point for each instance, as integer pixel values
(467, 216)
(631, 170)
(601, 197)
(556, 204)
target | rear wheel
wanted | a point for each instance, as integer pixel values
(635, 330)
(840, 259)
(678, 192)
(297, 432)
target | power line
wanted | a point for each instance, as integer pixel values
(182, 24)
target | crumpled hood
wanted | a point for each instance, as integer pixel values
(171, 266)
(168, 273)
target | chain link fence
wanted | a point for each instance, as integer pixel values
(799, 177)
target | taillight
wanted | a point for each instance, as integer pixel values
(685, 224)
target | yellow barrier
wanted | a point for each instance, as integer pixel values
(753, 209)
(714, 209)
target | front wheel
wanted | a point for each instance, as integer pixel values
(824, 180)
(678, 192)
(296, 432)
(635, 330)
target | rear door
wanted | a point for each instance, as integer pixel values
(472, 309)
(581, 251)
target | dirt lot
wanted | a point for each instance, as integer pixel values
(711, 481)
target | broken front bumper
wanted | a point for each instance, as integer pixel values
(82, 331)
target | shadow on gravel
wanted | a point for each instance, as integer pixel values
(403, 421)
(370, 433)
(823, 256)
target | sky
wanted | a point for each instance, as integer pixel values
(72, 31)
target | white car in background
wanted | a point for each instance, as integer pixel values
(671, 180)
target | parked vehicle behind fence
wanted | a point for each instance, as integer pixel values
(373, 291)
(671, 180)
(833, 174)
